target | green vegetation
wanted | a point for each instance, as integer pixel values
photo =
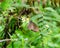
(30, 24)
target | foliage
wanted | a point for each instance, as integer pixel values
(14, 18)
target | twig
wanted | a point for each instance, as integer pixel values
(4, 40)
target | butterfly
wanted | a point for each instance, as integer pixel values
(32, 26)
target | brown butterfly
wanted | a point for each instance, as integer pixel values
(32, 26)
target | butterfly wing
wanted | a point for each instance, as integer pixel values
(33, 26)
